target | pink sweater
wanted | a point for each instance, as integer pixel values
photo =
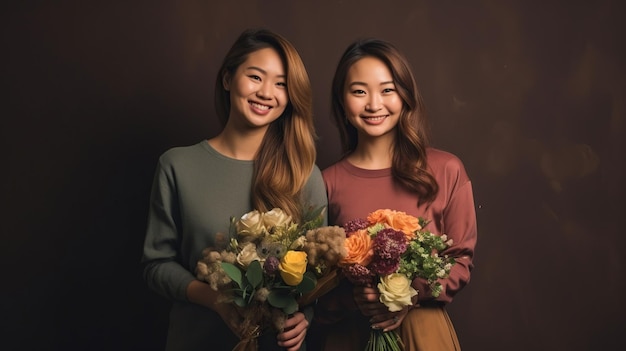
(354, 192)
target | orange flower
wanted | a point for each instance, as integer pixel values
(359, 247)
(397, 220)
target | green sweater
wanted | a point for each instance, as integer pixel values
(195, 192)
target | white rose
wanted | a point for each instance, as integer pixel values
(276, 218)
(247, 255)
(396, 291)
(250, 226)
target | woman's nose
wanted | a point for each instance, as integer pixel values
(265, 91)
(374, 103)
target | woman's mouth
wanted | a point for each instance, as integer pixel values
(258, 106)
(259, 109)
(374, 119)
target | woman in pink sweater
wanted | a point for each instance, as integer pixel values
(387, 164)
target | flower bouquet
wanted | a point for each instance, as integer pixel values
(389, 250)
(271, 266)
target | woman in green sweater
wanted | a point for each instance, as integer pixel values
(264, 157)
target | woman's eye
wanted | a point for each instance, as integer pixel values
(388, 90)
(281, 84)
(358, 92)
(255, 77)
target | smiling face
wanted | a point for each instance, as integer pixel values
(372, 104)
(258, 90)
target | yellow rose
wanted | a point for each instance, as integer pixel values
(396, 291)
(292, 267)
(250, 226)
(276, 218)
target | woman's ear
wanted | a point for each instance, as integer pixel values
(226, 81)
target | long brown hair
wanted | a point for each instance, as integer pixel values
(287, 154)
(409, 163)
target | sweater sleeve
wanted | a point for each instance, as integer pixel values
(459, 224)
(161, 268)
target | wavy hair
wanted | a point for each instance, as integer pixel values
(287, 153)
(409, 163)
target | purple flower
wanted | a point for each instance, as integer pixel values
(384, 266)
(358, 274)
(354, 225)
(389, 244)
(271, 265)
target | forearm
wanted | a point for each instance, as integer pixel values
(168, 278)
(201, 293)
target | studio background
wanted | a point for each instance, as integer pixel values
(529, 94)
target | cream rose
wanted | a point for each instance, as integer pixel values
(248, 254)
(276, 218)
(292, 267)
(250, 226)
(396, 291)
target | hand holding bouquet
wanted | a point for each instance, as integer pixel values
(389, 250)
(271, 266)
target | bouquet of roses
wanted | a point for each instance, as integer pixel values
(390, 249)
(271, 266)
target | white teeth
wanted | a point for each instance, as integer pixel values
(259, 106)
(375, 118)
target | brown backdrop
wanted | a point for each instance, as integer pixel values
(530, 94)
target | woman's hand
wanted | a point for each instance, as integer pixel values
(201, 293)
(293, 335)
(368, 300)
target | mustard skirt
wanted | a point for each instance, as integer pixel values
(428, 328)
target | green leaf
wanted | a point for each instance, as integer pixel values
(239, 301)
(308, 283)
(292, 306)
(233, 273)
(255, 274)
(278, 299)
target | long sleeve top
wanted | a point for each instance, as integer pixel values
(354, 192)
(195, 192)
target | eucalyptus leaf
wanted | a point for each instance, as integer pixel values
(254, 274)
(308, 283)
(292, 305)
(277, 299)
(233, 273)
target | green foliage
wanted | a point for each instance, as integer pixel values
(233, 273)
(254, 274)
(313, 218)
(249, 280)
(309, 281)
(283, 299)
(423, 259)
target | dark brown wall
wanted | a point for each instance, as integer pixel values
(530, 94)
